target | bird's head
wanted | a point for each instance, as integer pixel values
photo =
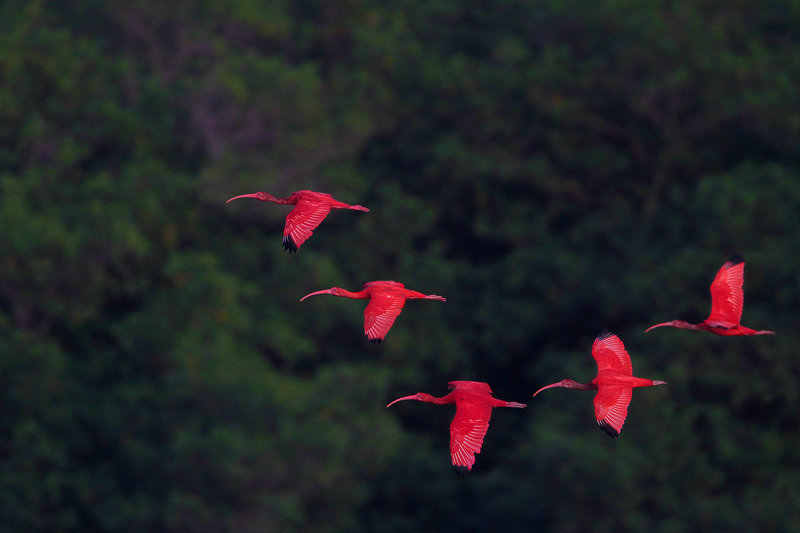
(566, 383)
(257, 195)
(420, 397)
(335, 291)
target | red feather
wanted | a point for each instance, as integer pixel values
(382, 310)
(610, 354)
(306, 216)
(467, 430)
(727, 296)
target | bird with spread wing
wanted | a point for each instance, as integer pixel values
(474, 404)
(310, 209)
(614, 383)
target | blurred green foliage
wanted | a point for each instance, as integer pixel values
(553, 168)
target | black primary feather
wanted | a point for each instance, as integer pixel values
(288, 244)
(735, 259)
(604, 335)
(461, 470)
(605, 426)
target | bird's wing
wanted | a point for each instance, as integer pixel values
(467, 430)
(611, 408)
(727, 296)
(610, 354)
(382, 309)
(303, 220)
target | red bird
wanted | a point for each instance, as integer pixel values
(614, 383)
(727, 300)
(474, 405)
(386, 300)
(310, 209)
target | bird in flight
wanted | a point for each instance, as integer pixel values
(614, 383)
(727, 301)
(386, 300)
(474, 403)
(310, 209)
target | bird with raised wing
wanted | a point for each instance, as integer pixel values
(310, 209)
(614, 383)
(474, 403)
(386, 301)
(727, 301)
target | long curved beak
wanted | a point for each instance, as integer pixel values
(326, 291)
(242, 196)
(548, 387)
(658, 326)
(412, 397)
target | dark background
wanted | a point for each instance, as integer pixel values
(553, 168)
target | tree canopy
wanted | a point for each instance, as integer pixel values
(553, 168)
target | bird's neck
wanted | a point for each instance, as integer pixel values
(276, 200)
(423, 397)
(360, 295)
(571, 384)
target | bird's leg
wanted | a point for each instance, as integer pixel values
(336, 204)
(502, 403)
(414, 294)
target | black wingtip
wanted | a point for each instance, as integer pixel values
(604, 335)
(461, 471)
(288, 244)
(375, 341)
(735, 259)
(605, 426)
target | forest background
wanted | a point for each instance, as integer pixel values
(553, 168)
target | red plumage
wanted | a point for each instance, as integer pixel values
(727, 302)
(474, 403)
(386, 301)
(614, 383)
(310, 209)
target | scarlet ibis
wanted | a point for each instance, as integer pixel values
(474, 403)
(727, 300)
(310, 209)
(386, 300)
(614, 383)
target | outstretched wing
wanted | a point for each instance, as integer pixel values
(381, 312)
(302, 221)
(610, 354)
(611, 408)
(727, 296)
(467, 430)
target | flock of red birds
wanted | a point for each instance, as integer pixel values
(614, 381)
